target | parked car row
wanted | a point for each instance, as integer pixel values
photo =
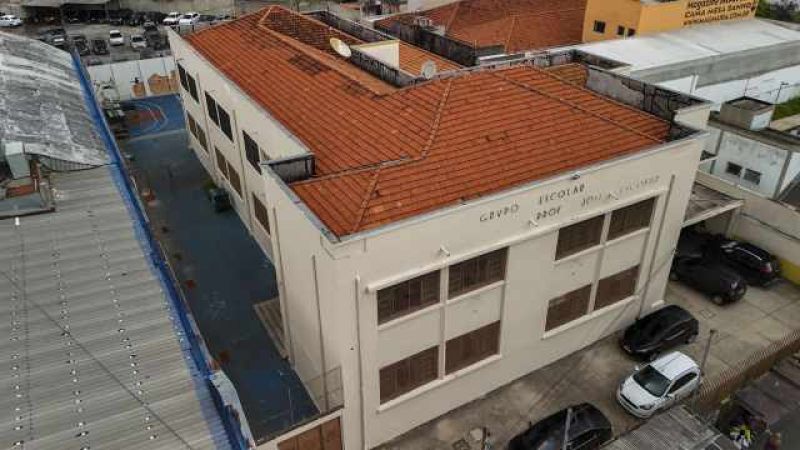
(720, 267)
(192, 18)
(657, 385)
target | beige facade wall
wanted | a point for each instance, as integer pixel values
(350, 273)
(328, 289)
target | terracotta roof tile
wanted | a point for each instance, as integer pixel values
(385, 154)
(517, 25)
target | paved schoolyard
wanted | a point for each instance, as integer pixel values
(592, 375)
(222, 272)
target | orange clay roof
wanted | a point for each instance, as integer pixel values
(517, 25)
(384, 154)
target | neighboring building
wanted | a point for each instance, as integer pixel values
(613, 19)
(749, 152)
(97, 350)
(437, 236)
(489, 26)
(762, 62)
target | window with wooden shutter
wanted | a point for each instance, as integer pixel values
(260, 211)
(211, 106)
(224, 122)
(477, 272)
(201, 138)
(191, 124)
(182, 77)
(233, 177)
(616, 287)
(580, 236)
(631, 218)
(326, 436)
(568, 307)
(192, 87)
(472, 347)
(251, 151)
(408, 296)
(222, 163)
(406, 375)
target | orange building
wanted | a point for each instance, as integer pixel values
(611, 19)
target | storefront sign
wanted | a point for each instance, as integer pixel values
(701, 11)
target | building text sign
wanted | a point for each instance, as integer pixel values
(701, 11)
(551, 203)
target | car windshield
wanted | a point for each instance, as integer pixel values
(652, 380)
(116, 35)
(137, 38)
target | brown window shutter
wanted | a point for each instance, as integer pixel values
(310, 440)
(332, 434)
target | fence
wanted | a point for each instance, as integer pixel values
(714, 390)
(135, 79)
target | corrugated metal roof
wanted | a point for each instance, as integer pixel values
(92, 351)
(42, 104)
(675, 429)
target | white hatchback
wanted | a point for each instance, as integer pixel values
(659, 385)
(172, 18)
(10, 21)
(190, 18)
(116, 38)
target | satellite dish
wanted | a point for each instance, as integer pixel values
(340, 47)
(428, 69)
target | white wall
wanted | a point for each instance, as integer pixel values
(384, 258)
(122, 76)
(753, 155)
(273, 140)
(792, 171)
(766, 87)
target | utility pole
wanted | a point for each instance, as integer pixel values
(703, 364)
(566, 429)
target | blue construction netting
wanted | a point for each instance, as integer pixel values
(154, 255)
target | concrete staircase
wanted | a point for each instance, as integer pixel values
(269, 313)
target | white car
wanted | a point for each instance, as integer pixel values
(172, 18)
(190, 18)
(10, 21)
(116, 38)
(138, 41)
(659, 385)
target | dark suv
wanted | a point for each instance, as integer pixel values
(658, 331)
(756, 265)
(588, 430)
(718, 281)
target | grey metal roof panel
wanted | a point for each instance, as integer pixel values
(122, 377)
(42, 104)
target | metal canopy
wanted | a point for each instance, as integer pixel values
(42, 104)
(705, 203)
(93, 355)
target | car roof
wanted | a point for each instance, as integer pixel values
(672, 312)
(673, 364)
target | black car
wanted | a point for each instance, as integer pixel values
(136, 19)
(99, 47)
(718, 281)
(658, 331)
(219, 199)
(81, 44)
(588, 430)
(756, 265)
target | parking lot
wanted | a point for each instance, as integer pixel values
(593, 374)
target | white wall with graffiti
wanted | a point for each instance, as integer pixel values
(134, 79)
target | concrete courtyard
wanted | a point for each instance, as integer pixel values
(592, 375)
